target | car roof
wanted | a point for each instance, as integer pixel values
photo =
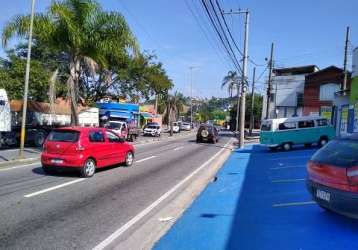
(77, 128)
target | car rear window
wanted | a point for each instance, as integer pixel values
(64, 136)
(340, 153)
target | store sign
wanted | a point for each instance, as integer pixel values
(326, 112)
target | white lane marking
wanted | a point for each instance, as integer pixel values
(22, 166)
(294, 204)
(139, 216)
(145, 159)
(288, 158)
(53, 188)
(178, 148)
(299, 166)
(287, 180)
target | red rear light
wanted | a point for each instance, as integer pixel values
(352, 175)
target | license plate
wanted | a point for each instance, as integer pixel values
(56, 161)
(323, 195)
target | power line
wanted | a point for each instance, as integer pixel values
(232, 57)
(197, 19)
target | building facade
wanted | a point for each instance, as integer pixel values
(287, 92)
(320, 91)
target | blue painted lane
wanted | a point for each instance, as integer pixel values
(256, 203)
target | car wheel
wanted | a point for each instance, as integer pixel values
(48, 170)
(287, 146)
(323, 141)
(129, 159)
(89, 168)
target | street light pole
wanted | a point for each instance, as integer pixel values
(27, 76)
(191, 95)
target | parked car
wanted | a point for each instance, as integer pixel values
(207, 133)
(176, 127)
(152, 129)
(286, 132)
(333, 176)
(85, 149)
(185, 126)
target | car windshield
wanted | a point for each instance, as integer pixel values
(114, 125)
(152, 127)
(63, 136)
(340, 153)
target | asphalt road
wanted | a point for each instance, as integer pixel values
(63, 211)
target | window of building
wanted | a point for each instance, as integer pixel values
(287, 125)
(306, 124)
(326, 91)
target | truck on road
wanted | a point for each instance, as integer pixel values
(123, 118)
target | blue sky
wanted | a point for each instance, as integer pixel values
(304, 32)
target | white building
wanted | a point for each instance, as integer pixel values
(286, 96)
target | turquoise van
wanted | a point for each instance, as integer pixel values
(286, 132)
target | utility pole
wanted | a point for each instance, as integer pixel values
(27, 76)
(344, 86)
(191, 95)
(269, 83)
(244, 80)
(241, 99)
(252, 120)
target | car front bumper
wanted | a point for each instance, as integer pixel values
(342, 202)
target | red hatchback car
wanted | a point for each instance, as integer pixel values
(333, 176)
(85, 149)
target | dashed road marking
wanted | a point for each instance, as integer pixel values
(277, 168)
(290, 204)
(146, 159)
(178, 148)
(53, 188)
(287, 180)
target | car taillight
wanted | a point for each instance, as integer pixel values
(352, 175)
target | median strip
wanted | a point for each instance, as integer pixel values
(53, 188)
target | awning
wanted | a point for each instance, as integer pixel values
(146, 115)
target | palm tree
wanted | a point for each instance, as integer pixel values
(89, 36)
(231, 81)
(175, 105)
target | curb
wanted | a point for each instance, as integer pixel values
(19, 161)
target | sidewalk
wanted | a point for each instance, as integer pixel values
(259, 202)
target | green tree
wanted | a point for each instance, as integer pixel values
(89, 36)
(12, 78)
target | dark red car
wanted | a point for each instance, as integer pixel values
(85, 149)
(333, 176)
